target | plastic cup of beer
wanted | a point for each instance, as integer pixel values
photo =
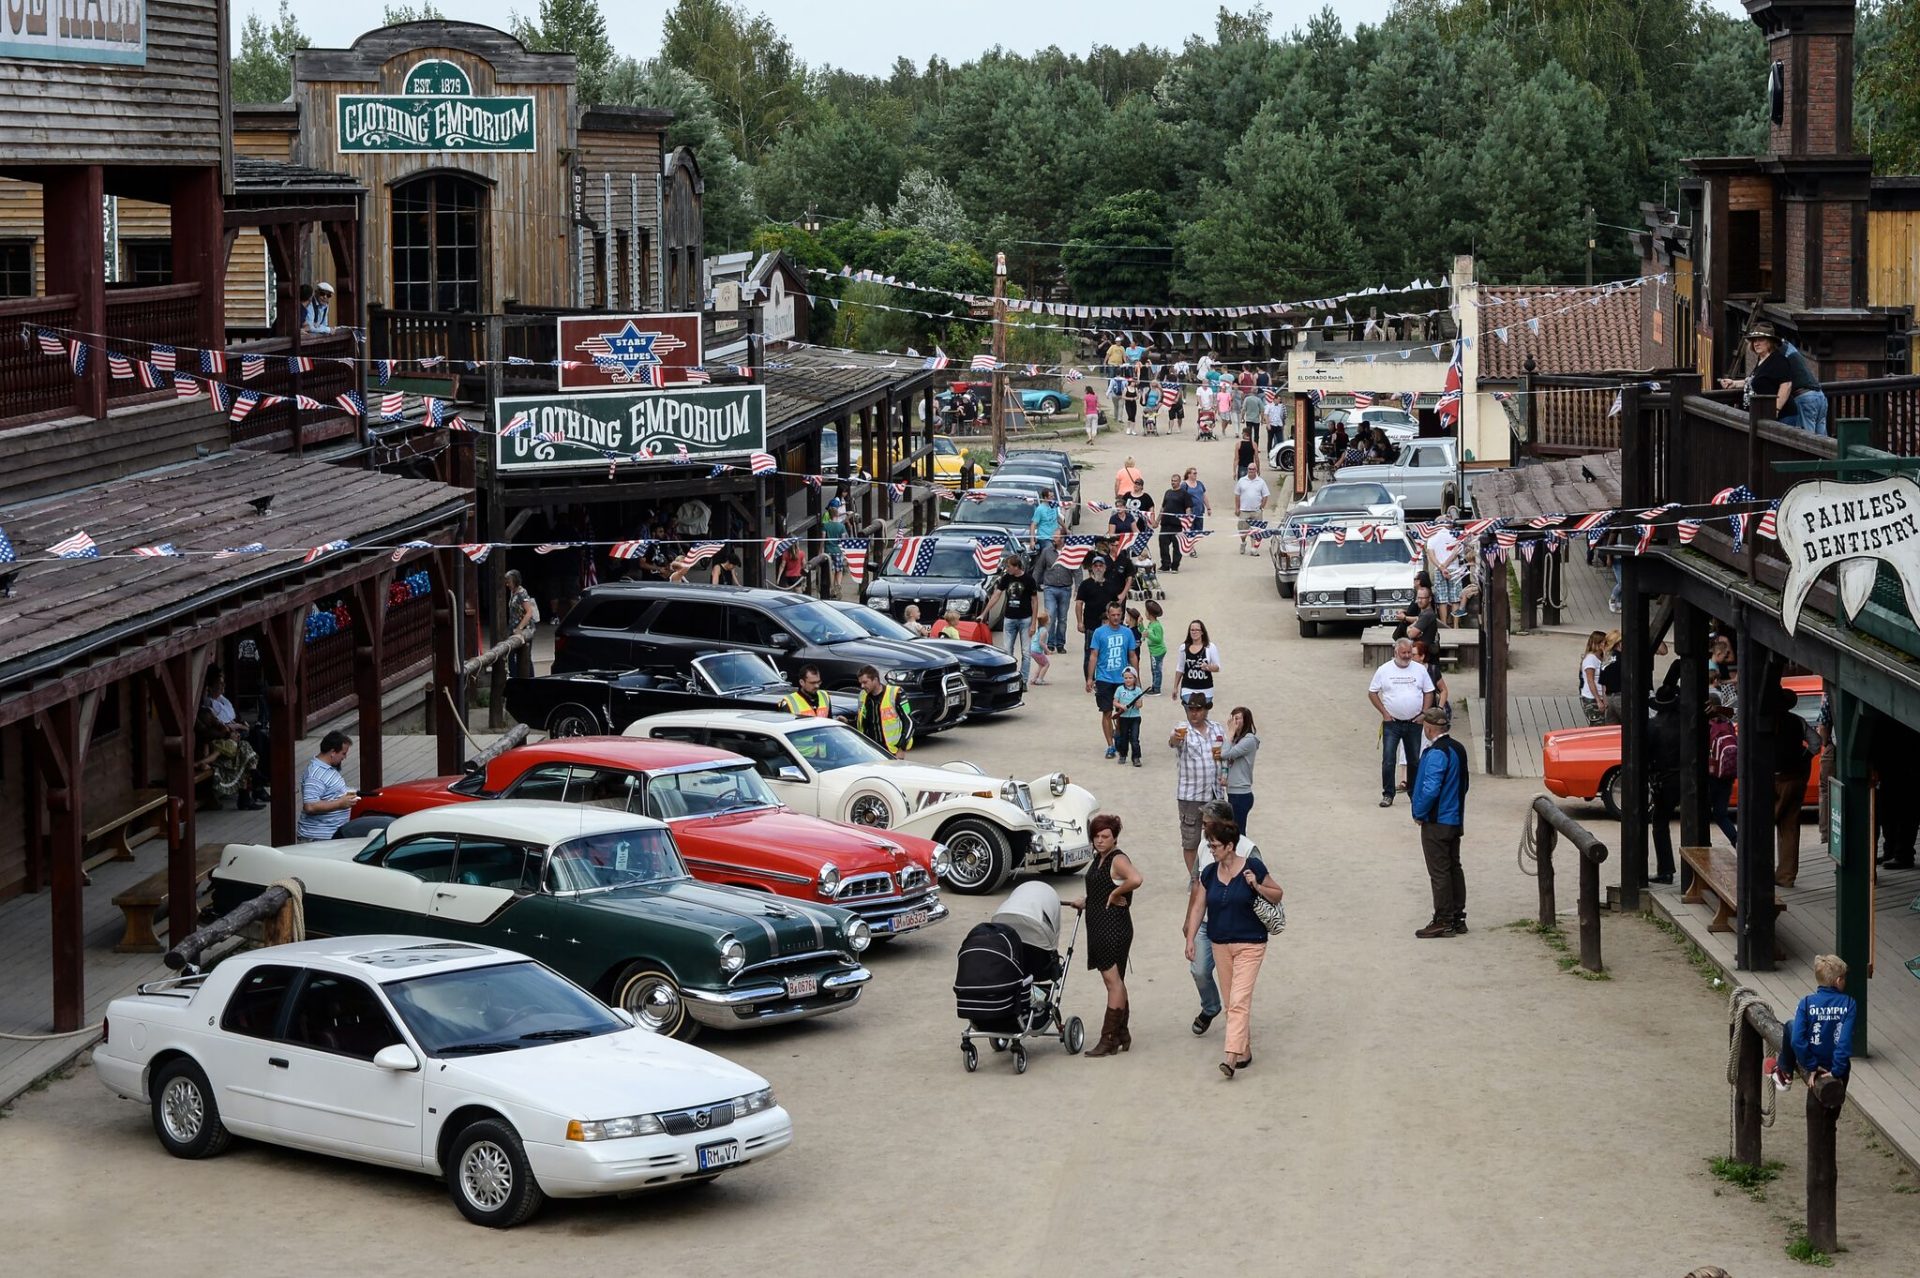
(1181, 732)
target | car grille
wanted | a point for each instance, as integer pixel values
(912, 879)
(863, 886)
(1360, 596)
(955, 688)
(685, 1122)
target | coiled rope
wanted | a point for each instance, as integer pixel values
(1737, 1003)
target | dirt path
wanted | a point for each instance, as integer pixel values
(1418, 1107)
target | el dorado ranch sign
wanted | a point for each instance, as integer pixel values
(438, 112)
(566, 432)
(1828, 522)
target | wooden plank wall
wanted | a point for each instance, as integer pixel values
(110, 782)
(1893, 265)
(172, 111)
(60, 456)
(610, 157)
(528, 208)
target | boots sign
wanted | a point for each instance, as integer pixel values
(436, 112)
(679, 425)
(1827, 523)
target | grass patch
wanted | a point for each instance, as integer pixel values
(1746, 1176)
(1801, 1248)
(1696, 957)
(1563, 956)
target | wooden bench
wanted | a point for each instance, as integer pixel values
(1716, 870)
(143, 902)
(144, 817)
(1459, 649)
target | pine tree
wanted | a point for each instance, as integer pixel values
(264, 70)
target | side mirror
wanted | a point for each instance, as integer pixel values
(781, 639)
(397, 1057)
(788, 772)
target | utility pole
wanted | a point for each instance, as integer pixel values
(999, 355)
(1591, 233)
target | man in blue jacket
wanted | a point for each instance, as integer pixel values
(1440, 806)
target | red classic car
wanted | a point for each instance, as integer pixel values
(729, 826)
(1584, 763)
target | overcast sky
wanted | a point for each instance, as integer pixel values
(867, 35)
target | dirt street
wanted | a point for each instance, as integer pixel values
(1452, 1106)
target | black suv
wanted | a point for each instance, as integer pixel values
(632, 625)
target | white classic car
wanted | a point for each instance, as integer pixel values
(463, 1061)
(1364, 572)
(992, 829)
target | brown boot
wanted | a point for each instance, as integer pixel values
(1125, 1035)
(1108, 1043)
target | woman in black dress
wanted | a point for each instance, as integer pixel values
(1111, 883)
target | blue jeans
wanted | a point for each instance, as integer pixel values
(1059, 608)
(1126, 736)
(1158, 662)
(1241, 805)
(1202, 971)
(1808, 411)
(1393, 734)
(1018, 628)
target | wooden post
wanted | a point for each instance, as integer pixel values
(1850, 840)
(1550, 824)
(180, 681)
(1749, 1054)
(62, 733)
(1494, 605)
(1636, 686)
(1753, 944)
(1824, 1099)
(74, 220)
(999, 417)
(1589, 906)
(449, 682)
(1690, 649)
(199, 247)
(369, 667)
(286, 636)
(1553, 564)
(1544, 837)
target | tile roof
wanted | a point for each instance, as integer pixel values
(1595, 332)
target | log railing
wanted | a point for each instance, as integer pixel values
(1550, 824)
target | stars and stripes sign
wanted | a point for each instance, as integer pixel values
(762, 463)
(323, 550)
(251, 366)
(630, 549)
(774, 547)
(987, 557)
(1074, 552)
(703, 551)
(476, 550)
(855, 549)
(912, 556)
(164, 550)
(78, 546)
(400, 551)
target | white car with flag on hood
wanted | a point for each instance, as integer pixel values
(992, 828)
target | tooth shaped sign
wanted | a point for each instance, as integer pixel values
(1827, 523)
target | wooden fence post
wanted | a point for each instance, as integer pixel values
(1544, 837)
(1824, 1100)
(1748, 1053)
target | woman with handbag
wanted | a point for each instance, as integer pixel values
(1111, 883)
(1240, 902)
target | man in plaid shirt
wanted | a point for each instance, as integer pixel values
(1196, 744)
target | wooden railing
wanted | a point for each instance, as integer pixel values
(140, 318)
(274, 425)
(1892, 404)
(1567, 415)
(33, 383)
(329, 675)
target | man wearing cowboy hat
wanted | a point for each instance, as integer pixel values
(1772, 375)
(317, 315)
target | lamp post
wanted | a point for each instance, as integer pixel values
(999, 417)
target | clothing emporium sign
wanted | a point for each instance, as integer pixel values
(438, 112)
(685, 424)
(625, 351)
(75, 30)
(1826, 522)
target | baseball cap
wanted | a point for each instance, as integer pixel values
(1435, 716)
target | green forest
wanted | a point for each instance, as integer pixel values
(1254, 165)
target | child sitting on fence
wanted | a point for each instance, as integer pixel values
(1819, 1040)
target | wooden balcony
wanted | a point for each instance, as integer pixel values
(38, 386)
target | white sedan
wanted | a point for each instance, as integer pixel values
(992, 829)
(462, 1061)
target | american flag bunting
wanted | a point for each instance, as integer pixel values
(78, 546)
(855, 549)
(400, 551)
(987, 557)
(912, 556)
(762, 463)
(321, 551)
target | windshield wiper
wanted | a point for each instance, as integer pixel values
(558, 1034)
(479, 1047)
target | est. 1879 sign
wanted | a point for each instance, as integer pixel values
(566, 432)
(437, 112)
(1828, 522)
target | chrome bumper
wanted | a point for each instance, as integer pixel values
(767, 1003)
(881, 919)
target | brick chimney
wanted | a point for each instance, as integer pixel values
(1810, 48)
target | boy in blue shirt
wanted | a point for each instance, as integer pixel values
(1820, 1038)
(1112, 650)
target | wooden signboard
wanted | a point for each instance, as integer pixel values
(620, 352)
(438, 112)
(110, 31)
(582, 432)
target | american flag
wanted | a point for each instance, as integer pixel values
(1074, 552)
(743, 370)
(774, 547)
(1372, 532)
(1340, 536)
(515, 424)
(1769, 525)
(243, 403)
(50, 343)
(680, 455)
(1097, 506)
(1033, 370)
(7, 553)
(431, 361)
(987, 556)
(119, 366)
(1507, 537)
(163, 357)
(697, 376)
(762, 463)
(855, 549)
(1646, 539)
(351, 401)
(392, 406)
(1141, 541)
(899, 491)
(1449, 405)
(78, 546)
(299, 364)
(1189, 540)
(1273, 396)
(1474, 527)
(1689, 529)
(1075, 375)
(476, 550)
(984, 364)
(1590, 523)
(251, 548)
(149, 375)
(164, 550)
(77, 352)
(1314, 395)
(436, 410)
(221, 396)
(321, 551)
(307, 403)
(703, 551)
(1186, 523)
(400, 551)
(1363, 399)
(718, 469)
(383, 369)
(213, 363)
(251, 366)
(937, 360)
(1407, 400)
(185, 385)
(912, 556)
(630, 549)
(1545, 521)
(548, 547)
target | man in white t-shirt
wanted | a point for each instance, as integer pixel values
(1250, 498)
(1400, 690)
(1444, 565)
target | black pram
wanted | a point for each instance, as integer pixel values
(1010, 980)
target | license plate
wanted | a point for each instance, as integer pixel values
(1387, 614)
(802, 986)
(723, 1154)
(910, 920)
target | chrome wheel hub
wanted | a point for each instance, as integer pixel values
(968, 859)
(486, 1176)
(183, 1110)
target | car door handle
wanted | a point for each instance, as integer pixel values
(443, 894)
(278, 1062)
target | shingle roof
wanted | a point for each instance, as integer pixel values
(251, 174)
(1596, 332)
(1574, 485)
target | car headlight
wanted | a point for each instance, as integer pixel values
(1057, 784)
(1010, 791)
(615, 1128)
(752, 1103)
(940, 860)
(859, 935)
(903, 676)
(829, 879)
(733, 955)
(962, 606)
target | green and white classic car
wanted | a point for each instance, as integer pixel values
(601, 897)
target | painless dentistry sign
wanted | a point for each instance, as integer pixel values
(1827, 523)
(692, 424)
(437, 112)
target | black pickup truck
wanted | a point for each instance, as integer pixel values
(589, 703)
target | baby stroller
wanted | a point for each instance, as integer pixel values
(1010, 980)
(1203, 425)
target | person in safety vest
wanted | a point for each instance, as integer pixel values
(884, 717)
(809, 699)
